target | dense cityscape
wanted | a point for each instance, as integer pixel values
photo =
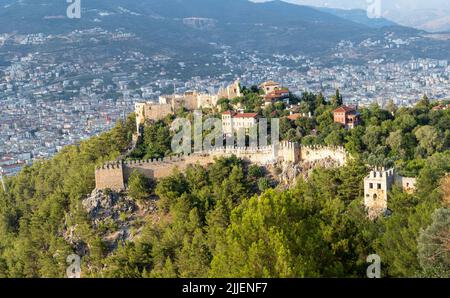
(47, 103)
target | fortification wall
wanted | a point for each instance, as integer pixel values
(110, 176)
(116, 176)
(289, 152)
(160, 168)
(190, 101)
(207, 101)
(316, 153)
(406, 183)
(151, 111)
(261, 156)
(157, 111)
(230, 92)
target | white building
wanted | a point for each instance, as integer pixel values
(232, 122)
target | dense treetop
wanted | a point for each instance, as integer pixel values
(228, 220)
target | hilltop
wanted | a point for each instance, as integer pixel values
(228, 219)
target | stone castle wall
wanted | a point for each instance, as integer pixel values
(190, 100)
(110, 176)
(160, 168)
(230, 92)
(408, 184)
(315, 153)
(115, 176)
(151, 111)
(376, 187)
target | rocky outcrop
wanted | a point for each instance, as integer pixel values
(74, 240)
(114, 216)
(288, 172)
(102, 206)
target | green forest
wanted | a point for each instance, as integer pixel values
(228, 220)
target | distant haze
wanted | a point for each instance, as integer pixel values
(431, 15)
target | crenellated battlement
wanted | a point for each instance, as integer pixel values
(321, 147)
(110, 175)
(317, 152)
(381, 172)
(153, 161)
(110, 166)
(114, 175)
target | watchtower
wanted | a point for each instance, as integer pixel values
(376, 188)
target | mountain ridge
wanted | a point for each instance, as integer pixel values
(170, 25)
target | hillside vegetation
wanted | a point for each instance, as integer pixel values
(223, 221)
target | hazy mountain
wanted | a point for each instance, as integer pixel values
(191, 27)
(272, 26)
(432, 20)
(430, 15)
(359, 16)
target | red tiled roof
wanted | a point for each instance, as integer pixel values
(270, 97)
(294, 117)
(280, 91)
(6, 158)
(246, 115)
(276, 94)
(441, 107)
(344, 109)
(240, 115)
(13, 166)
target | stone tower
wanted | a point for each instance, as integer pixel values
(139, 110)
(376, 188)
(231, 91)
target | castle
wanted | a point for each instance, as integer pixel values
(190, 100)
(376, 187)
(231, 91)
(114, 175)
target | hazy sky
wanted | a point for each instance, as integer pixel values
(399, 4)
(430, 15)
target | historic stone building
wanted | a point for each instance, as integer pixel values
(231, 91)
(377, 186)
(190, 100)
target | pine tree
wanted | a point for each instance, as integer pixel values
(138, 186)
(434, 244)
(337, 99)
(391, 107)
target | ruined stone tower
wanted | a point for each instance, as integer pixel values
(376, 188)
